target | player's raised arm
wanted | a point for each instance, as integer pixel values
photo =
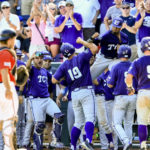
(93, 48)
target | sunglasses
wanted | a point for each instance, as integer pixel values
(69, 5)
(125, 7)
(52, 8)
(28, 30)
(61, 7)
(5, 7)
(38, 54)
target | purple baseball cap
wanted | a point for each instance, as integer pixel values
(117, 22)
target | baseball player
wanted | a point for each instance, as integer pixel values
(140, 70)
(101, 110)
(40, 101)
(109, 43)
(76, 71)
(20, 126)
(8, 98)
(124, 102)
(104, 103)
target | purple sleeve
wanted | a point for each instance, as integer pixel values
(58, 21)
(99, 79)
(138, 17)
(112, 77)
(133, 69)
(59, 73)
(86, 55)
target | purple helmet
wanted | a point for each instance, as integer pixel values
(124, 51)
(145, 44)
(67, 49)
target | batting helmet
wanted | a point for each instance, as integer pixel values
(67, 49)
(7, 34)
(124, 51)
(145, 44)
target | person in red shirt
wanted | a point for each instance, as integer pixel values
(8, 95)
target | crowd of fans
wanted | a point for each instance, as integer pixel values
(43, 25)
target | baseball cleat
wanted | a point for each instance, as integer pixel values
(111, 146)
(143, 146)
(127, 146)
(57, 144)
(87, 146)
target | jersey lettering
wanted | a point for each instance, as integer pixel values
(74, 73)
(112, 47)
(42, 79)
(148, 71)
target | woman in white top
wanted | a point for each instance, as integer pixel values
(52, 39)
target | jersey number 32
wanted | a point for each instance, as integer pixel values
(74, 73)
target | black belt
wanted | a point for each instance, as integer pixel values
(108, 57)
(83, 87)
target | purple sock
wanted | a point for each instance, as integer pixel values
(75, 133)
(84, 137)
(89, 129)
(142, 132)
(109, 137)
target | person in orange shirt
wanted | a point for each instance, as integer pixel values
(8, 95)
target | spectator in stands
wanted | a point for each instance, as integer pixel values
(89, 11)
(26, 6)
(26, 43)
(127, 28)
(69, 26)
(38, 32)
(8, 20)
(112, 12)
(52, 39)
(143, 23)
(135, 10)
(104, 5)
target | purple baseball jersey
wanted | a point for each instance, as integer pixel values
(40, 80)
(70, 33)
(76, 71)
(109, 44)
(102, 80)
(144, 30)
(117, 77)
(140, 69)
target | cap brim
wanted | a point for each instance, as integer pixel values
(4, 38)
(117, 26)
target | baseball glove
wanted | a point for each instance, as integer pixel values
(22, 75)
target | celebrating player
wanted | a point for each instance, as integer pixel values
(76, 71)
(140, 69)
(40, 101)
(109, 43)
(8, 98)
(124, 102)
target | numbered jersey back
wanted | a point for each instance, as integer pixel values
(141, 70)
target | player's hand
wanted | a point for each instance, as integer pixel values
(58, 102)
(79, 40)
(65, 99)
(130, 90)
(8, 94)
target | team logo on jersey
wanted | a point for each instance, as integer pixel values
(8, 64)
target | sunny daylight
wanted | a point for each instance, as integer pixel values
(74, 74)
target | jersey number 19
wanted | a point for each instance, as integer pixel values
(74, 73)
